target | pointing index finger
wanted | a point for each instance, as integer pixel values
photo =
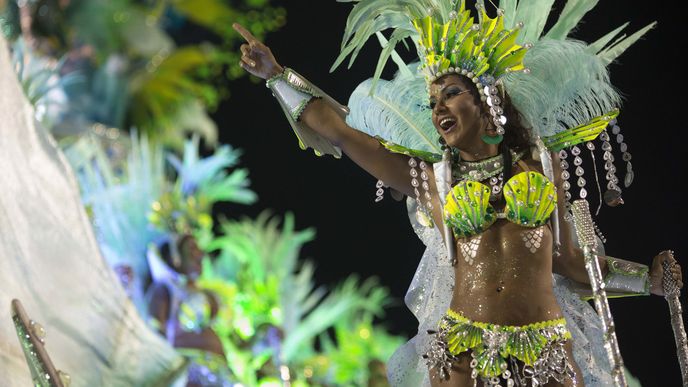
(245, 33)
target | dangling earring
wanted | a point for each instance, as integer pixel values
(496, 113)
(491, 136)
(443, 144)
(453, 152)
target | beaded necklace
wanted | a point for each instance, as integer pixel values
(491, 168)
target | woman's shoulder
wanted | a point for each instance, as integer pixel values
(528, 163)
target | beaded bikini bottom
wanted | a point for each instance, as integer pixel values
(517, 355)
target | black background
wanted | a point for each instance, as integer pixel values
(355, 235)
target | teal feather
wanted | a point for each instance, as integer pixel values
(397, 112)
(403, 68)
(534, 14)
(369, 17)
(616, 49)
(599, 45)
(387, 51)
(509, 8)
(570, 17)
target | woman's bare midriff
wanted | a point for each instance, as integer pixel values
(507, 283)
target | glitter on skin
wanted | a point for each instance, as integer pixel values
(503, 260)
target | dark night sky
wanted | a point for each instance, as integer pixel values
(355, 235)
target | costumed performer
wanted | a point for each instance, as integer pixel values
(496, 189)
(183, 313)
(178, 307)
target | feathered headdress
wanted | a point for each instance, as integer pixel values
(448, 41)
(484, 51)
(566, 97)
(186, 207)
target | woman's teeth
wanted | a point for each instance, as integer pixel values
(447, 123)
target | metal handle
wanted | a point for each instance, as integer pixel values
(31, 337)
(585, 230)
(671, 294)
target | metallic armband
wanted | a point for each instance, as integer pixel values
(626, 278)
(294, 92)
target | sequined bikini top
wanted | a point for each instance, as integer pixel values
(530, 199)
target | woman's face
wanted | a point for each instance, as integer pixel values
(192, 257)
(455, 113)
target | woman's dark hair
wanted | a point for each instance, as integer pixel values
(166, 252)
(516, 136)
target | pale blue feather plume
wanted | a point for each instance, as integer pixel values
(369, 17)
(208, 176)
(120, 201)
(393, 21)
(396, 112)
(568, 86)
(387, 51)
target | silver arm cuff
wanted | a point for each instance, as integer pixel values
(626, 278)
(294, 92)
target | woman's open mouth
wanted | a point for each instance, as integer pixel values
(447, 124)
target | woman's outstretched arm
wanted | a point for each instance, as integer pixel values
(364, 150)
(571, 261)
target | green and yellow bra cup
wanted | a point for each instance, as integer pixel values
(467, 210)
(530, 199)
